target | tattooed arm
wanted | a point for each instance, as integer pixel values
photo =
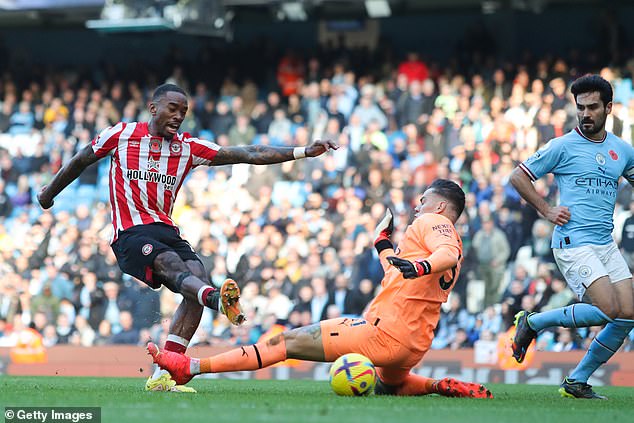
(67, 174)
(262, 154)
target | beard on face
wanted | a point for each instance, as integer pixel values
(596, 127)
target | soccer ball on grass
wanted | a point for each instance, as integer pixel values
(352, 375)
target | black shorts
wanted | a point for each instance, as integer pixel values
(137, 247)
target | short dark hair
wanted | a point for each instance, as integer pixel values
(450, 191)
(591, 83)
(161, 90)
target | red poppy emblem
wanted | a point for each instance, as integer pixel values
(155, 146)
(613, 155)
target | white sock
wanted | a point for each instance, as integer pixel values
(158, 372)
(194, 366)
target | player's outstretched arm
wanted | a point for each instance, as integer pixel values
(382, 241)
(559, 215)
(263, 154)
(67, 174)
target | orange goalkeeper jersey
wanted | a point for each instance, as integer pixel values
(408, 309)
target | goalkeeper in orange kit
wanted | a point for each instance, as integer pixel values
(398, 327)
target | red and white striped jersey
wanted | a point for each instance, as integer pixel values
(146, 172)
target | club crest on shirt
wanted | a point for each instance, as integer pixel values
(155, 146)
(600, 158)
(153, 164)
(147, 249)
(613, 155)
(175, 148)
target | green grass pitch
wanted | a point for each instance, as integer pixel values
(244, 401)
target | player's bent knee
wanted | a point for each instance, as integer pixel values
(168, 265)
(198, 270)
(180, 277)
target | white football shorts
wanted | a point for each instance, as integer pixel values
(583, 265)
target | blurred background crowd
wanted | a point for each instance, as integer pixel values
(298, 237)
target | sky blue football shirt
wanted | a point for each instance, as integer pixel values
(587, 174)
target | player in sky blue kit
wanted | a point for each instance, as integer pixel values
(587, 163)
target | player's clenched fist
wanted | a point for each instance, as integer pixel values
(319, 147)
(409, 269)
(559, 215)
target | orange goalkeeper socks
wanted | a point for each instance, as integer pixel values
(252, 357)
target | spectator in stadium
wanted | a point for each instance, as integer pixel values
(64, 329)
(395, 332)
(150, 162)
(368, 111)
(46, 303)
(413, 68)
(22, 120)
(582, 241)
(6, 207)
(450, 321)
(460, 340)
(104, 333)
(290, 71)
(114, 305)
(127, 334)
(491, 321)
(560, 297)
(221, 122)
(242, 132)
(627, 237)
(565, 341)
(49, 336)
(410, 105)
(493, 250)
(84, 335)
(348, 301)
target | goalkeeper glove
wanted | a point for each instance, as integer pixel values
(409, 269)
(383, 232)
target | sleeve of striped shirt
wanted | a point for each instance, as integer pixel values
(107, 140)
(203, 151)
(543, 161)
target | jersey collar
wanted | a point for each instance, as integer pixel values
(589, 139)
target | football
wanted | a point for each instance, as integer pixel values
(352, 375)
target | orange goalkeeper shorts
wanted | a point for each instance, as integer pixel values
(392, 359)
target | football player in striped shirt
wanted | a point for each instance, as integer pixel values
(149, 162)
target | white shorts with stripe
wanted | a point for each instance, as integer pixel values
(583, 265)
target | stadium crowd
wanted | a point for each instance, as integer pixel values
(298, 237)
